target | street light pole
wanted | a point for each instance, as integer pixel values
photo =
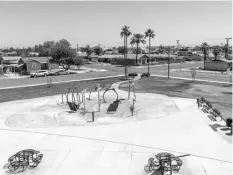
(226, 52)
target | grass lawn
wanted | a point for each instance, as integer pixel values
(220, 95)
(55, 89)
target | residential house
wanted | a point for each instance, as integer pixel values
(94, 57)
(109, 58)
(37, 63)
(9, 63)
(131, 60)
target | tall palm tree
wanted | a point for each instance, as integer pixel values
(137, 39)
(149, 33)
(216, 52)
(205, 48)
(125, 32)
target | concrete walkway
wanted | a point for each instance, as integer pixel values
(201, 80)
(122, 147)
(59, 82)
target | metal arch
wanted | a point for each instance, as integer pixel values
(73, 94)
(96, 88)
(109, 89)
(67, 94)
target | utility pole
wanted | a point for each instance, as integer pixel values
(226, 52)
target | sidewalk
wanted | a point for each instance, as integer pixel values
(59, 82)
(202, 80)
(159, 65)
(202, 71)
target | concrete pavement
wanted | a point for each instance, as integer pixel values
(162, 124)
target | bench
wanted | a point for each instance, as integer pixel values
(229, 123)
(113, 107)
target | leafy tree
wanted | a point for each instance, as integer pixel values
(137, 39)
(122, 50)
(63, 54)
(98, 50)
(88, 50)
(11, 49)
(150, 34)
(216, 52)
(205, 48)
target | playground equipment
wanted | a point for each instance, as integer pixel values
(110, 89)
(66, 95)
(166, 163)
(94, 88)
(22, 160)
(131, 86)
(49, 81)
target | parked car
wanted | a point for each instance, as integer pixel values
(187, 59)
(59, 72)
(39, 73)
(133, 74)
(145, 74)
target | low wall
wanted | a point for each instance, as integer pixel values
(217, 66)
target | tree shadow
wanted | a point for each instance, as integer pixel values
(229, 134)
(157, 173)
(215, 126)
(225, 129)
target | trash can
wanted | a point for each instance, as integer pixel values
(229, 122)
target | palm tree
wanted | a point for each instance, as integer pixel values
(216, 52)
(149, 33)
(205, 48)
(125, 32)
(137, 39)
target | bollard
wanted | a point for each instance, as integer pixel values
(93, 116)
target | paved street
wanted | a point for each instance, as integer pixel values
(113, 70)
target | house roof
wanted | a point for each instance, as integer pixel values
(38, 59)
(133, 56)
(10, 58)
(161, 55)
(111, 56)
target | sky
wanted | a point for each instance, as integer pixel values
(24, 24)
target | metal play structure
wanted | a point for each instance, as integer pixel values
(22, 160)
(165, 163)
(131, 86)
(74, 98)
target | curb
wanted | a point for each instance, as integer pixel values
(201, 80)
(87, 79)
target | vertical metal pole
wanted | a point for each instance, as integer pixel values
(93, 117)
(99, 99)
(84, 101)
